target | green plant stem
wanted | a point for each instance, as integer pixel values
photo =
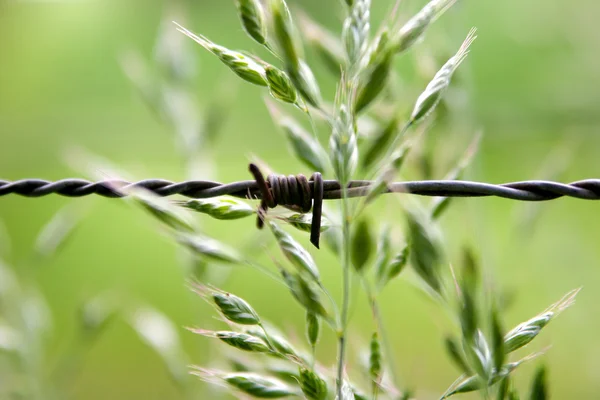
(345, 292)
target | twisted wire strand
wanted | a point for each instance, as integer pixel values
(534, 190)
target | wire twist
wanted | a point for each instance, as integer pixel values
(301, 194)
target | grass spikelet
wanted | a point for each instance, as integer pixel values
(414, 29)
(342, 146)
(313, 328)
(258, 386)
(285, 34)
(243, 66)
(432, 94)
(456, 355)
(163, 210)
(362, 245)
(234, 308)
(305, 293)
(425, 251)
(238, 340)
(327, 46)
(209, 249)
(305, 82)
(303, 222)
(295, 253)
(525, 332)
(380, 143)
(280, 85)
(305, 147)
(539, 390)
(252, 15)
(356, 32)
(375, 77)
(224, 208)
(396, 265)
(312, 385)
(279, 343)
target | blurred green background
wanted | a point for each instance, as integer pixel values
(530, 84)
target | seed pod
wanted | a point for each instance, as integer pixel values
(280, 85)
(414, 29)
(285, 34)
(295, 253)
(209, 248)
(425, 251)
(305, 82)
(243, 66)
(303, 222)
(224, 208)
(253, 19)
(362, 245)
(235, 309)
(258, 386)
(312, 385)
(375, 360)
(429, 99)
(312, 328)
(305, 293)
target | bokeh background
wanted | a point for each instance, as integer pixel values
(530, 85)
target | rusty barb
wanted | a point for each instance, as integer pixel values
(301, 194)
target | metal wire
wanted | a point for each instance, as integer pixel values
(298, 193)
(534, 190)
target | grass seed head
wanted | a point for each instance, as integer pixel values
(224, 208)
(163, 210)
(305, 293)
(375, 78)
(241, 341)
(356, 31)
(362, 244)
(304, 145)
(243, 66)
(303, 222)
(281, 345)
(253, 19)
(432, 94)
(343, 147)
(327, 46)
(259, 386)
(209, 249)
(313, 386)
(235, 309)
(397, 264)
(305, 82)
(285, 34)
(280, 85)
(425, 251)
(295, 253)
(414, 29)
(313, 328)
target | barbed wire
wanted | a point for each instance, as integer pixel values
(532, 190)
(301, 194)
